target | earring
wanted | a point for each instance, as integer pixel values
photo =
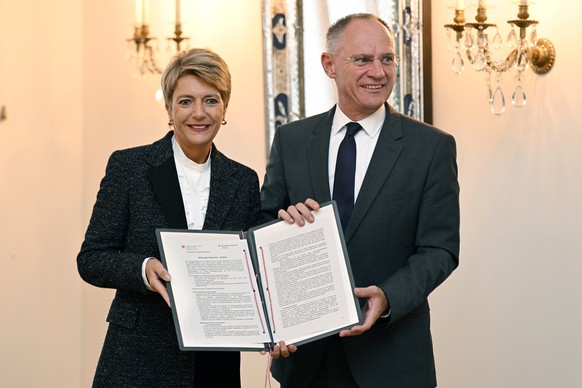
(170, 122)
(224, 122)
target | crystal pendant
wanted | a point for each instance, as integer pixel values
(482, 40)
(521, 61)
(497, 40)
(458, 65)
(518, 97)
(489, 88)
(472, 54)
(512, 39)
(468, 42)
(533, 37)
(449, 39)
(490, 94)
(497, 102)
(480, 61)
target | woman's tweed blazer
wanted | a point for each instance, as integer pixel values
(139, 193)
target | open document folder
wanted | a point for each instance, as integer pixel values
(249, 290)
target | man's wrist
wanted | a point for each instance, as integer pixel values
(388, 311)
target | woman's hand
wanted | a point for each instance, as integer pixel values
(156, 275)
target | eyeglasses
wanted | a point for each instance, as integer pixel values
(366, 61)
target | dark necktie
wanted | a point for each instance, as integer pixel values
(345, 171)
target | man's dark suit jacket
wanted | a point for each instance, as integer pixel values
(403, 236)
(139, 193)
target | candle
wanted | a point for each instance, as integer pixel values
(138, 13)
(460, 4)
(178, 21)
(482, 4)
(522, 2)
(146, 12)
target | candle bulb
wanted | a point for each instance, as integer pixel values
(178, 18)
(138, 13)
(482, 4)
(522, 2)
(460, 4)
(146, 12)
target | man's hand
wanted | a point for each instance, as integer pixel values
(299, 213)
(376, 305)
(282, 350)
(156, 275)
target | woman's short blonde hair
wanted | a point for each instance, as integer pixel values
(201, 63)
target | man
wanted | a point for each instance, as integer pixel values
(403, 232)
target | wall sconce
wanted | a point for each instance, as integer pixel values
(534, 52)
(143, 48)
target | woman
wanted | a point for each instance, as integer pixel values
(180, 181)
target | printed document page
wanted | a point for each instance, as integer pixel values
(215, 293)
(306, 278)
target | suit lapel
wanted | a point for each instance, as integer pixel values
(318, 157)
(164, 179)
(223, 188)
(383, 159)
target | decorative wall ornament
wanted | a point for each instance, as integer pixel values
(281, 36)
(144, 48)
(481, 38)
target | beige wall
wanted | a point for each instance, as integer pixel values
(508, 317)
(40, 193)
(511, 315)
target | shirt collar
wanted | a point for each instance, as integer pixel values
(371, 124)
(185, 161)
